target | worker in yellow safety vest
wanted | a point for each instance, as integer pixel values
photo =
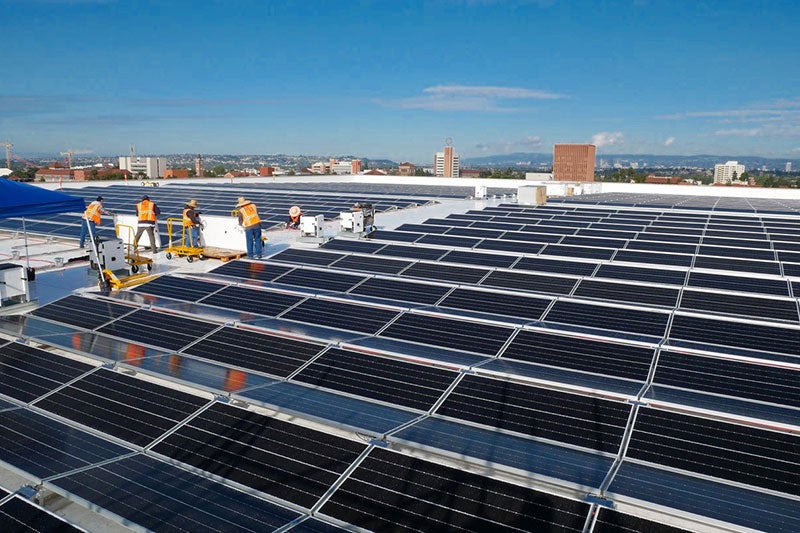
(249, 220)
(91, 218)
(191, 224)
(146, 212)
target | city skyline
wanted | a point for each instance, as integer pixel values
(387, 80)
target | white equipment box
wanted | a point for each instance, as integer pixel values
(111, 253)
(312, 226)
(352, 221)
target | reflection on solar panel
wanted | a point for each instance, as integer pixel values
(251, 270)
(27, 373)
(389, 491)
(378, 378)
(288, 461)
(161, 497)
(255, 351)
(131, 409)
(179, 288)
(569, 418)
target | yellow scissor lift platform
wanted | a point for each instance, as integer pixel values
(132, 256)
(182, 250)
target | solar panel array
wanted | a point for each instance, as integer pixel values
(410, 383)
(273, 204)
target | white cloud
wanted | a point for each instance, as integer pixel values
(738, 132)
(796, 150)
(485, 98)
(608, 138)
(525, 144)
(670, 141)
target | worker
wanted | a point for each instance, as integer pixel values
(248, 219)
(294, 217)
(91, 219)
(147, 211)
(191, 224)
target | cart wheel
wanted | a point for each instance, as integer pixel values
(201, 257)
(190, 258)
(168, 255)
(149, 266)
(134, 268)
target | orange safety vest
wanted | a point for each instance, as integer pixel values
(187, 222)
(249, 215)
(93, 212)
(146, 210)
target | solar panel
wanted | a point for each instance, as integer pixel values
(626, 292)
(584, 421)
(27, 373)
(651, 275)
(383, 265)
(270, 303)
(497, 303)
(613, 359)
(510, 246)
(777, 287)
(401, 290)
(252, 350)
(554, 265)
(157, 496)
(400, 236)
(82, 312)
(529, 282)
(172, 332)
(18, 515)
(602, 242)
(378, 378)
(739, 265)
(658, 246)
(448, 273)
(251, 270)
(758, 337)
(178, 288)
(320, 279)
(284, 460)
(389, 491)
(448, 333)
(737, 379)
(412, 252)
(611, 318)
(340, 315)
(611, 521)
(475, 232)
(743, 454)
(578, 251)
(653, 257)
(353, 245)
(731, 304)
(43, 447)
(131, 409)
(477, 258)
(306, 257)
(446, 240)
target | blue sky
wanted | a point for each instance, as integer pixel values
(394, 79)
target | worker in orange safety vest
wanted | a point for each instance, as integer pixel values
(146, 212)
(191, 224)
(91, 218)
(249, 220)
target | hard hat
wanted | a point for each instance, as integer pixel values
(295, 210)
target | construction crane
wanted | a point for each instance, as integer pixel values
(68, 153)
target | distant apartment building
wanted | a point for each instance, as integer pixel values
(728, 172)
(152, 167)
(55, 174)
(406, 169)
(266, 171)
(198, 166)
(447, 164)
(573, 162)
(788, 166)
(334, 166)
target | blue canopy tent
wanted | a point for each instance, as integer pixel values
(20, 200)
